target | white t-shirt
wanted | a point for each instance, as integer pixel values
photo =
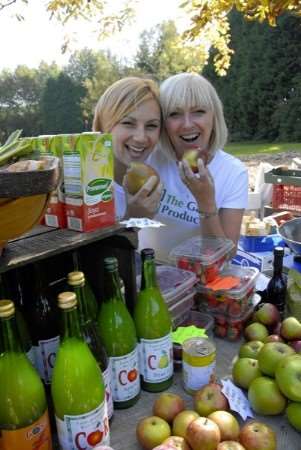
(178, 209)
(120, 201)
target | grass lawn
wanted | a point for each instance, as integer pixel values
(249, 148)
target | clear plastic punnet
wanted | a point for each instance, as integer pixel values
(232, 303)
(205, 256)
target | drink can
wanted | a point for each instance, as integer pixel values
(199, 358)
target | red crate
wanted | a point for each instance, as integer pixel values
(286, 197)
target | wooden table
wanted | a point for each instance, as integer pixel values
(123, 425)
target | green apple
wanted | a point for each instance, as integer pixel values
(288, 377)
(152, 431)
(290, 329)
(244, 371)
(265, 397)
(267, 314)
(256, 332)
(270, 354)
(256, 435)
(250, 349)
(293, 413)
(168, 405)
(182, 420)
(210, 398)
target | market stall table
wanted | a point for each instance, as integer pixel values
(123, 425)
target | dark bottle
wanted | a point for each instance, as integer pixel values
(41, 313)
(118, 334)
(76, 281)
(153, 325)
(276, 288)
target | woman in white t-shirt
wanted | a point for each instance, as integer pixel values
(211, 201)
(130, 110)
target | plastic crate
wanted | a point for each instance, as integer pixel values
(286, 188)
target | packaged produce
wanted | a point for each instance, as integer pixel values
(205, 256)
(153, 325)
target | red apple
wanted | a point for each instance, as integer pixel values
(181, 422)
(267, 314)
(265, 397)
(203, 434)
(296, 345)
(276, 328)
(191, 156)
(102, 447)
(270, 354)
(137, 175)
(177, 442)
(288, 377)
(210, 398)
(244, 371)
(250, 349)
(256, 332)
(293, 414)
(273, 338)
(168, 405)
(164, 447)
(290, 329)
(257, 436)
(227, 424)
(152, 431)
(230, 445)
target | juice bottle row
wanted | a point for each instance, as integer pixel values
(90, 359)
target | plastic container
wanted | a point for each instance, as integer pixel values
(232, 328)
(286, 188)
(260, 243)
(173, 282)
(203, 256)
(234, 302)
(181, 309)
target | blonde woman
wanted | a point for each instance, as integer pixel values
(211, 201)
(130, 110)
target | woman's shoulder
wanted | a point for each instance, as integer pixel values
(222, 157)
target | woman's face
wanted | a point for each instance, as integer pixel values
(189, 128)
(136, 135)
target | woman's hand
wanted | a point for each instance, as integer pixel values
(146, 201)
(200, 184)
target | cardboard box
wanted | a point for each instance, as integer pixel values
(263, 261)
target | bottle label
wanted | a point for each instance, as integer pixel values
(156, 361)
(125, 376)
(31, 355)
(45, 354)
(35, 436)
(107, 376)
(85, 431)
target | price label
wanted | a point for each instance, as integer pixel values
(237, 400)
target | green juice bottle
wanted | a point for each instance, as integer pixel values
(77, 387)
(118, 335)
(24, 422)
(153, 325)
(76, 281)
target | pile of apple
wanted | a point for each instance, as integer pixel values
(269, 364)
(209, 426)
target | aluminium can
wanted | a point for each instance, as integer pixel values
(199, 359)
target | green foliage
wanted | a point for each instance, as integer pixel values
(251, 148)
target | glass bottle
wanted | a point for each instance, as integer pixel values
(276, 288)
(77, 386)
(76, 281)
(24, 422)
(153, 325)
(42, 313)
(118, 334)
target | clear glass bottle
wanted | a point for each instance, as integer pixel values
(77, 386)
(76, 281)
(153, 325)
(23, 406)
(118, 334)
(276, 288)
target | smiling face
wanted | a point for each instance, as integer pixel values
(136, 134)
(189, 128)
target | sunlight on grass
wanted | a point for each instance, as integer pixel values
(248, 148)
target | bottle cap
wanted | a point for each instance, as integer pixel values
(7, 308)
(279, 251)
(147, 253)
(66, 300)
(76, 278)
(111, 263)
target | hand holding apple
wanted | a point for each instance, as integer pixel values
(137, 175)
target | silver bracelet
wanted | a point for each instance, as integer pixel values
(207, 215)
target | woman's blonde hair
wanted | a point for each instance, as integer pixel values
(120, 99)
(190, 90)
